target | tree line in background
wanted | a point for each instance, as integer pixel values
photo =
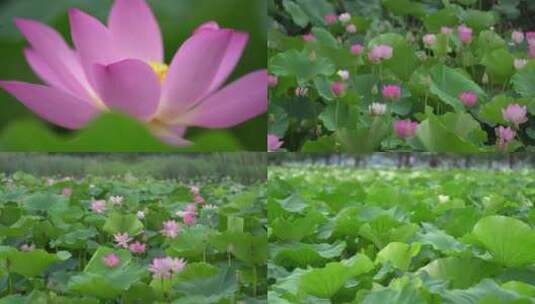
(408, 160)
(244, 167)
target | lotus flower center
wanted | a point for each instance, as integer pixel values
(160, 69)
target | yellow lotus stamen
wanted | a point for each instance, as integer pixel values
(160, 69)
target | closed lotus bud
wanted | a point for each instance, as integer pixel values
(344, 74)
(312, 56)
(344, 18)
(338, 88)
(429, 39)
(377, 109)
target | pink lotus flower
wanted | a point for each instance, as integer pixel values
(530, 38)
(66, 191)
(189, 218)
(356, 49)
(98, 206)
(198, 199)
(516, 114)
(27, 247)
(469, 99)
(517, 37)
(405, 128)
(429, 39)
(330, 19)
(273, 143)
(273, 81)
(164, 268)
(122, 239)
(351, 28)
(380, 52)
(111, 260)
(170, 229)
(136, 247)
(445, 30)
(505, 136)
(338, 88)
(309, 37)
(531, 51)
(465, 33)
(392, 92)
(121, 67)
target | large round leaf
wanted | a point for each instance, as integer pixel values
(510, 241)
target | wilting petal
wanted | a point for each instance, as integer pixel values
(135, 31)
(192, 71)
(92, 40)
(50, 47)
(234, 104)
(129, 86)
(52, 104)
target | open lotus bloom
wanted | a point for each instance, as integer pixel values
(121, 67)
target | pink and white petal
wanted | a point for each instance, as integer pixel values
(92, 40)
(52, 104)
(135, 31)
(53, 50)
(239, 101)
(42, 69)
(209, 25)
(172, 135)
(232, 56)
(130, 86)
(192, 71)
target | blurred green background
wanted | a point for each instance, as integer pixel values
(20, 130)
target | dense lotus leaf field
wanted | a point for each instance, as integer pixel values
(398, 75)
(131, 240)
(423, 236)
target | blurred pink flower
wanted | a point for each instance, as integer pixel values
(121, 67)
(380, 52)
(338, 88)
(392, 92)
(122, 239)
(66, 191)
(136, 247)
(465, 34)
(517, 37)
(429, 39)
(170, 229)
(189, 218)
(27, 247)
(330, 19)
(164, 268)
(191, 208)
(273, 81)
(356, 49)
(405, 128)
(530, 37)
(309, 37)
(111, 260)
(273, 143)
(504, 135)
(351, 28)
(98, 206)
(516, 114)
(469, 99)
(445, 30)
(531, 51)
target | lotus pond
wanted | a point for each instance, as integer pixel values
(383, 236)
(131, 240)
